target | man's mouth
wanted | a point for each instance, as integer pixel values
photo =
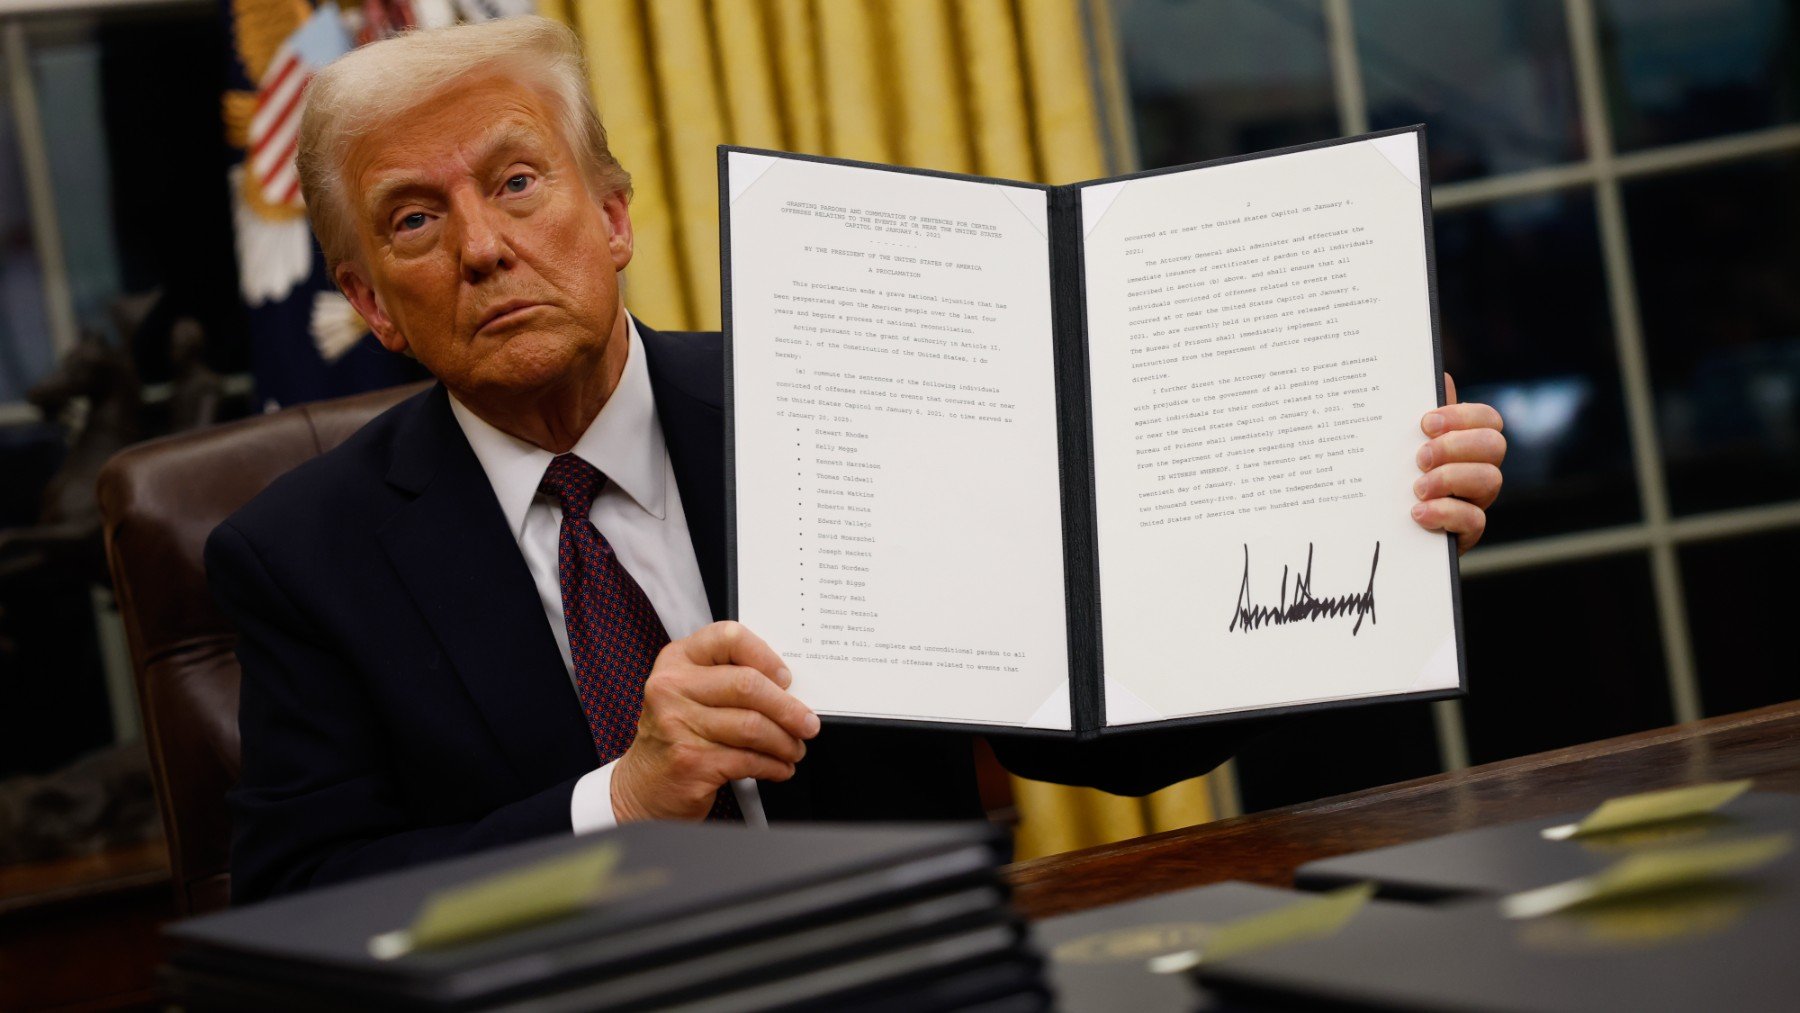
(506, 312)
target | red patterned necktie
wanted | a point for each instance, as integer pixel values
(614, 632)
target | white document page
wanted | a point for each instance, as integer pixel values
(899, 529)
(1260, 350)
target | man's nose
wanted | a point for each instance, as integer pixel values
(484, 247)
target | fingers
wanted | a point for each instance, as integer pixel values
(732, 643)
(1459, 517)
(1479, 446)
(1461, 465)
(735, 686)
(1477, 483)
(748, 729)
(682, 782)
(729, 764)
(1460, 416)
(716, 709)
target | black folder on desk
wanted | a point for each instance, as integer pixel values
(1099, 958)
(802, 914)
(1507, 859)
(1725, 946)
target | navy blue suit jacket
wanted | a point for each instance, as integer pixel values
(403, 698)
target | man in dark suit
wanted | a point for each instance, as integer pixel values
(488, 615)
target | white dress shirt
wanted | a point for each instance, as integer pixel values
(639, 512)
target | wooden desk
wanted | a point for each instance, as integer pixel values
(1268, 847)
(55, 917)
(81, 932)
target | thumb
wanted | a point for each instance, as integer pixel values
(1449, 390)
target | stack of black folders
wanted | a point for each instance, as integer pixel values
(1697, 912)
(647, 916)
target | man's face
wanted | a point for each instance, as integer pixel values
(481, 249)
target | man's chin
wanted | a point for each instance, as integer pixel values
(523, 367)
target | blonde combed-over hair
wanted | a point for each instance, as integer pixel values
(368, 88)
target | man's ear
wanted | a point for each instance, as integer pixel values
(361, 294)
(620, 240)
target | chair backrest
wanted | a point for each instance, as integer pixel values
(160, 501)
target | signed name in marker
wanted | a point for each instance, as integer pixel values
(1248, 615)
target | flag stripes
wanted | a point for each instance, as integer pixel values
(275, 128)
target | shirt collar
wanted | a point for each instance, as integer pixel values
(624, 441)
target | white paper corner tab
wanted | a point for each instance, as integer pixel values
(1033, 205)
(1055, 711)
(744, 169)
(1094, 202)
(1440, 671)
(1123, 707)
(1403, 151)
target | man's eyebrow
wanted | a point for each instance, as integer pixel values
(501, 138)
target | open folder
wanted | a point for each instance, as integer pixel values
(1088, 458)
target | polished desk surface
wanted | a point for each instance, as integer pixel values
(80, 932)
(53, 915)
(1268, 847)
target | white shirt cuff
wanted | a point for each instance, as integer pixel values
(590, 807)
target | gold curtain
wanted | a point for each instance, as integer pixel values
(995, 87)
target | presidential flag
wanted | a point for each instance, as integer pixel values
(275, 126)
(305, 341)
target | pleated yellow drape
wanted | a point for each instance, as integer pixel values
(995, 87)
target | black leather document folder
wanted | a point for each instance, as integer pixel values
(1507, 859)
(1099, 959)
(996, 451)
(690, 911)
(1728, 945)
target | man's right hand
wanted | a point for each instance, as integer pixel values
(716, 708)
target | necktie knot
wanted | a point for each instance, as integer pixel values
(574, 482)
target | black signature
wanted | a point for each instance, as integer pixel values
(1304, 605)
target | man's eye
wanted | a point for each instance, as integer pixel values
(517, 184)
(416, 220)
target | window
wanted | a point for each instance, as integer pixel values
(114, 222)
(1618, 234)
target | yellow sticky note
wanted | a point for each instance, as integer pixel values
(1649, 871)
(544, 891)
(1651, 807)
(1313, 918)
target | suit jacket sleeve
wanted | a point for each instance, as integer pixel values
(317, 801)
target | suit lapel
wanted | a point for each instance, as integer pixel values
(689, 390)
(687, 376)
(463, 568)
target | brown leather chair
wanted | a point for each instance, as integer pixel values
(160, 500)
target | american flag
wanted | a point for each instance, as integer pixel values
(275, 126)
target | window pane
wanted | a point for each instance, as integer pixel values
(1561, 655)
(1492, 81)
(1681, 70)
(1526, 327)
(66, 70)
(1315, 755)
(1744, 645)
(1225, 77)
(25, 349)
(139, 172)
(1717, 256)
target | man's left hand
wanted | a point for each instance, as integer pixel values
(1461, 465)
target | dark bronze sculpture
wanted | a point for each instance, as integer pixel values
(95, 395)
